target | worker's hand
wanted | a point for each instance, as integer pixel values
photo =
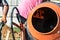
(4, 19)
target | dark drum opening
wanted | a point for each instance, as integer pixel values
(44, 19)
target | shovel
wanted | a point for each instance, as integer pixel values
(1, 26)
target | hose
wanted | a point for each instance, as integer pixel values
(12, 21)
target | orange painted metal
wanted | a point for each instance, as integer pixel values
(44, 36)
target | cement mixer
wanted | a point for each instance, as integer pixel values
(44, 21)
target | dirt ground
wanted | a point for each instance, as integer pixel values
(5, 30)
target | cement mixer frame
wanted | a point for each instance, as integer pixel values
(12, 23)
(21, 26)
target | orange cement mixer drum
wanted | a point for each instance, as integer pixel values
(43, 21)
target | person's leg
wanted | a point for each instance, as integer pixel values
(5, 10)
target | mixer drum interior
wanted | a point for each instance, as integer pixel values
(44, 19)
